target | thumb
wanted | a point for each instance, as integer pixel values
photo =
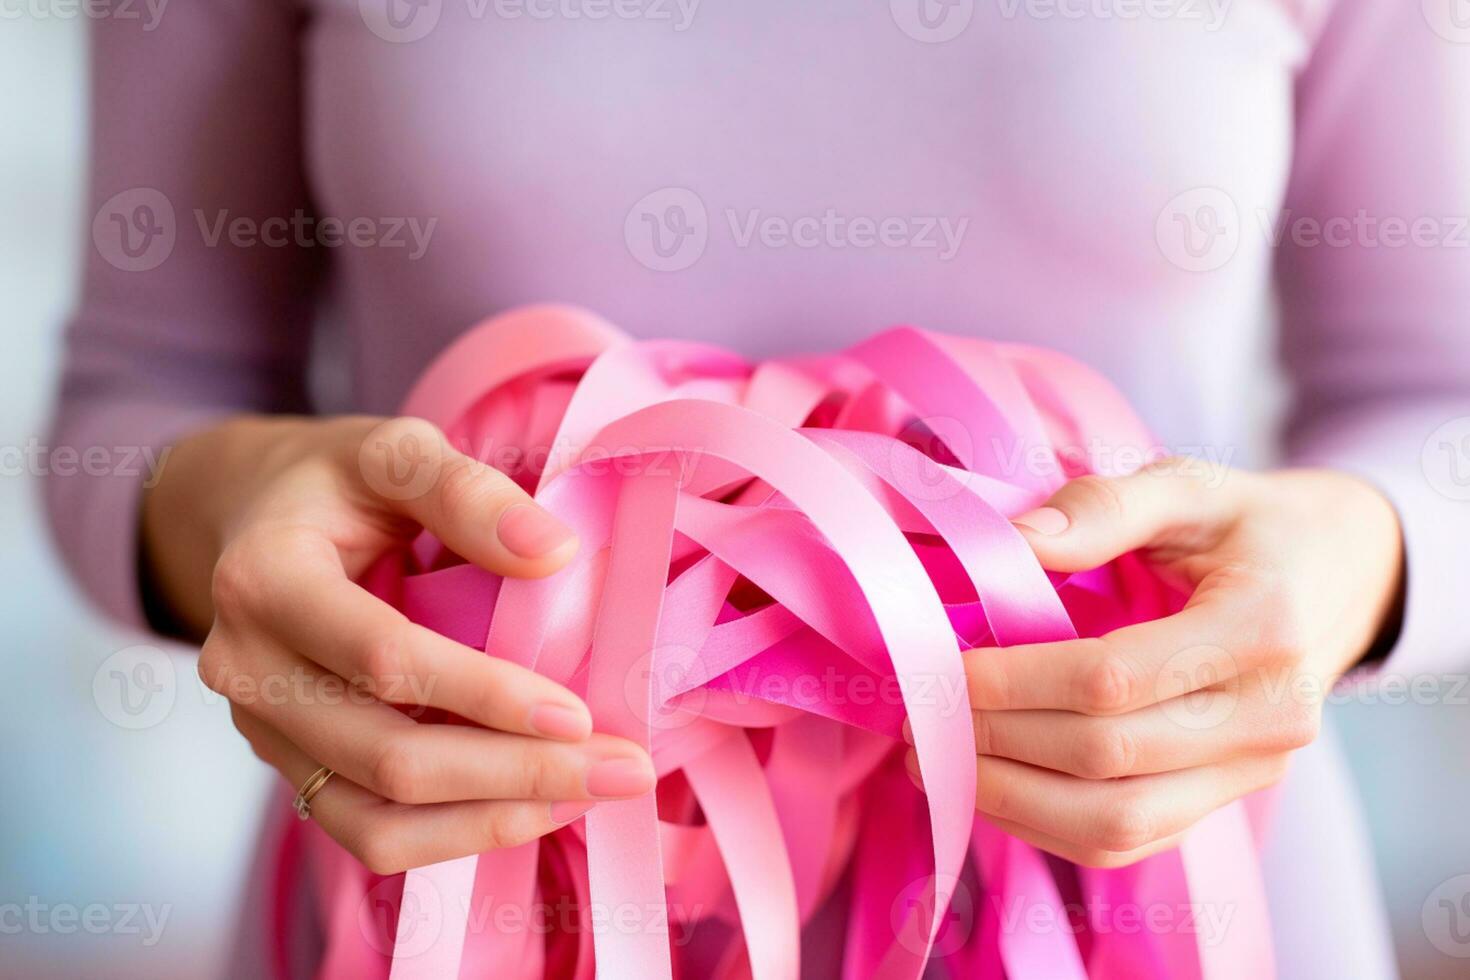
(1093, 519)
(475, 510)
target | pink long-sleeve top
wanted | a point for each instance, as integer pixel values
(1173, 191)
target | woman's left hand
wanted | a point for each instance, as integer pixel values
(1103, 751)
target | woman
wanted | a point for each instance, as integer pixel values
(301, 201)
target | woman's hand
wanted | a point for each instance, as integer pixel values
(256, 533)
(1104, 751)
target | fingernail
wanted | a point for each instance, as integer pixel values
(568, 810)
(559, 721)
(531, 532)
(1043, 520)
(618, 778)
(908, 732)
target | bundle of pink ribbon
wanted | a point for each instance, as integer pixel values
(780, 564)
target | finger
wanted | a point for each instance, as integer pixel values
(1217, 725)
(1130, 668)
(379, 748)
(1089, 857)
(1093, 519)
(1116, 815)
(390, 837)
(475, 510)
(301, 593)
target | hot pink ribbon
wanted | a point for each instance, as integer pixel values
(780, 563)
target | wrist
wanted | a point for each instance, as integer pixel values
(209, 481)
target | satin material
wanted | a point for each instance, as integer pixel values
(780, 564)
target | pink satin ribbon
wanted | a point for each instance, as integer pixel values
(780, 563)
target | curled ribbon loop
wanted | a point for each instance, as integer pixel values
(780, 565)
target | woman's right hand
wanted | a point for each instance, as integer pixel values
(255, 534)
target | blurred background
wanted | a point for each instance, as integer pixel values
(126, 830)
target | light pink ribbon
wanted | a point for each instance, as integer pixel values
(780, 564)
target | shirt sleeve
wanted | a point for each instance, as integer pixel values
(1374, 273)
(195, 124)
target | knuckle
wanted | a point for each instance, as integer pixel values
(1125, 825)
(237, 579)
(468, 488)
(1099, 495)
(1192, 470)
(992, 796)
(395, 772)
(1106, 751)
(1102, 860)
(536, 775)
(497, 833)
(1299, 726)
(988, 684)
(214, 666)
(984, 733)
(1109, 685)
(383, 661)
(378, 849)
